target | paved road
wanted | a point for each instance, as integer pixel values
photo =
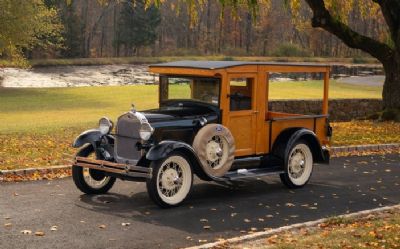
(347, 185)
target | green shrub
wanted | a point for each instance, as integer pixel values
(360, 60)
(228, 58)
(290, 50)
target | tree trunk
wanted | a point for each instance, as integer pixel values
(391, 87)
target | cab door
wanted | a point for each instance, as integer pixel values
(242, 116)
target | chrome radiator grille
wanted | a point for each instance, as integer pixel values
(127, 136)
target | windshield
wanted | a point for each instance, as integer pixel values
(190, 88)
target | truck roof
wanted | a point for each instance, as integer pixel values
(227, 64)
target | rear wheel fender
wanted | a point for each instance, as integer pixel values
(289, 137)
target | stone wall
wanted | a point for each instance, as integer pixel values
(339, 109)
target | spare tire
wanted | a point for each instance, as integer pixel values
(215, 147)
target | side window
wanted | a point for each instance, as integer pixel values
(241, 94)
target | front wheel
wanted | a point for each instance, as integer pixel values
(171, 181)
(298, 166)
(91, 181)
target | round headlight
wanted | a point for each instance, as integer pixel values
(105, 125)
(146, 131)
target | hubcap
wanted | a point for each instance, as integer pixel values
(170, 179)
(216, 151)
(297, 163)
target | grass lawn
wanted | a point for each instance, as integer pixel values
(381, 231)
(38, 125)
(46, 109)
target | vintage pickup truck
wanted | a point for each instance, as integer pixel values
(213, 121)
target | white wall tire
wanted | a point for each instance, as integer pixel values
(215, 147)
(298, 166)
(91, 181)
(171, 181)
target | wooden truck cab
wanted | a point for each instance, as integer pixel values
(244, 100)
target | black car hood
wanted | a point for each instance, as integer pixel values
(155, 116)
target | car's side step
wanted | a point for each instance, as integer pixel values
(251, 173)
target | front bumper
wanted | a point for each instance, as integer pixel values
(116, 168)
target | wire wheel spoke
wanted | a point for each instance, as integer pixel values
(93, 183)
(170, 179)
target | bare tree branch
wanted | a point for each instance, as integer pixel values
(323, 19)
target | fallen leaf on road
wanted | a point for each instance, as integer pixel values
(16, 194)
(102, 226)
(213, 209)
(233, 214)
(7, 218)
(253, 229)
(189, 238)
(203, 220)
(7, 224)
(246, 220)
(26, 232)
(289, 204)
(53, 228)
(125, 224)
(39, 233)
(207, 227)
(202, 240)
(260, 219)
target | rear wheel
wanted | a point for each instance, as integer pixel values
(171, 181)
(298, 166)
(91, 181)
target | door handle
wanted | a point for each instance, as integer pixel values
(255, 112)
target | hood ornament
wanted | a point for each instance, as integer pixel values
(133, 110)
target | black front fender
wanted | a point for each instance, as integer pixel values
(163, 149)
(92, 137)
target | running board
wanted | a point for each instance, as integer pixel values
(251, 173)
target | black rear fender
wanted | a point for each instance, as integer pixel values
(163, 149)
(289, 137)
